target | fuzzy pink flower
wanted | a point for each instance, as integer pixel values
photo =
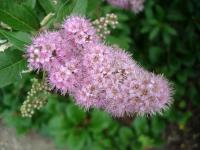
(137, 5)
(96, 75)
(118, 85)
(92, 93)
(79, 30)
(40, 52)
(135, 90)
(48, 47)
(134, 5)
(65, 77)
(120, 3)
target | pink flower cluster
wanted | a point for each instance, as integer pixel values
(134, 5)
(97, 75)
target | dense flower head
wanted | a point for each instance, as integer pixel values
(119, 85)
(95, 59)
(40, 52)
(134, 5)
(141, 94)
(65, 77)
(48, 47)
(79, 30)
(95, 74)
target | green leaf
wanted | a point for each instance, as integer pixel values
(56, 123)
(100, 121)
(175, 15)
(80, 7)
(146, 141)
(146, 29)
(158, 125)
(75, 114)
(182, 76)
(184, 118)
(140, 125)
(47, 5)
(154, 33)
(11, 64)
(64, 10)
(93, 4)
(155, 54)
(6, 4)
(166, 38)
(170, 30)
(19, 17)
(125, 43)
(76, 141)
(182, 104)
(30, 3)
(148, 11)
(11, 119)
(125, 134)
(18, 39)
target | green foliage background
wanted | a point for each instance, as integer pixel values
(164, 39)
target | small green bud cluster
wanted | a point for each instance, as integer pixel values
(36, 98)
(104, 24)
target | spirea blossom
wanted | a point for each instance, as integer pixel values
(66, 76)
(134, 5)
(79, 30)
(49, 48)
(40, 52)
(120, 3)
(120, 86)
(97, 75)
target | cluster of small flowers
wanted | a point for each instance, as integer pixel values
(96, 75)
(119, 85)
(135, 5)
(102, 25)
(36, 98)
